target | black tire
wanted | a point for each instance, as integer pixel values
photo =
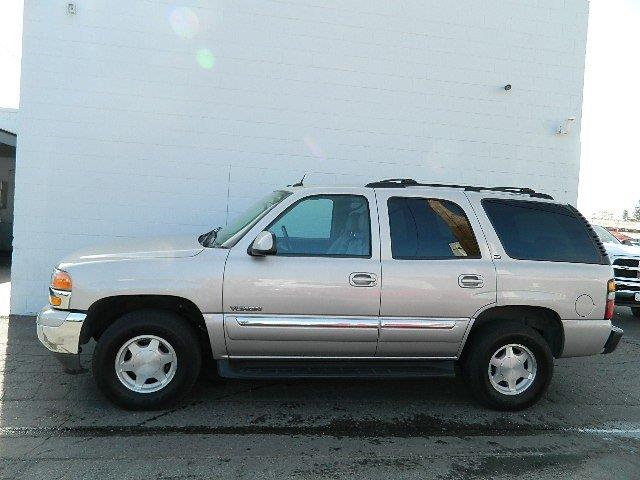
(487, 341)
(169, 327)
(635, 311)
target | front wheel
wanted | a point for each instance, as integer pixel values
(147, 359)
(508, 366)
(635, 311)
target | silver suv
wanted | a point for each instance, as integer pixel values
(395, 279)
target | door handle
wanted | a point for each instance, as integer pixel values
(470, 281)
(362, 279)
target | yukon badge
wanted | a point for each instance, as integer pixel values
(243, 308)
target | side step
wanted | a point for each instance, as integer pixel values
(335, 368)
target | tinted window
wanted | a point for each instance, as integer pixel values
(327, 225)
(541, 231)
(424, 228)
(605, 235)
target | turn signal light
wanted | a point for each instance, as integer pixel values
(61, 281)
(611, 300)
(55, 301)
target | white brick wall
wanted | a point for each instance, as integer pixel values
(124, 134)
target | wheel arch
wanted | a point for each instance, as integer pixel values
(544, 320)
(102, 313)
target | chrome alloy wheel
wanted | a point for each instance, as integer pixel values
(512, 369)
(146, 364)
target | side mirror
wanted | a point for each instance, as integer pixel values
(264, 244)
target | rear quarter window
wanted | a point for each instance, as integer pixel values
(541, 231)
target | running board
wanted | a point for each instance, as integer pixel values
(335, 368)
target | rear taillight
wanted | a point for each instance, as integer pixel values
(611, 300)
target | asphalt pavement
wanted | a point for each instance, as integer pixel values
(54, 425)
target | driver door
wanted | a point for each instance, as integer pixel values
(319, 294)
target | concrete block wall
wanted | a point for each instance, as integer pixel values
(143, 117)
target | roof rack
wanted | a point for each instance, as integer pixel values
(409, 182)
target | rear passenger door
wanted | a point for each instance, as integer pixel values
(436, 272)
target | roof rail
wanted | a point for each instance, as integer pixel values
(410, 182)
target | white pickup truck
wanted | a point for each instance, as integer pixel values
(626, 267)
(395, 278)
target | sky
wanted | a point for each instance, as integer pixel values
(10, 52)
(610, 162)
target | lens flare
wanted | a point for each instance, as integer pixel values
(184, 22)
(313, 147)
(205, 58)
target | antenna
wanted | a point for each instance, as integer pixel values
(300, 183)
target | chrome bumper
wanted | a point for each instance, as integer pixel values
(59, 331)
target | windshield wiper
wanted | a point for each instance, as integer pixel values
(208, 239)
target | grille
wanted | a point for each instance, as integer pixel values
(627, 272)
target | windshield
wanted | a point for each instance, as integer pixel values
(218, 236)
(605, 235)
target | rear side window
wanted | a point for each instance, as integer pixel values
(428, 228)
(541, 231)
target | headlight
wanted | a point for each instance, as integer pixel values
(61, 280)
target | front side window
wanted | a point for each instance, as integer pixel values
(427, 228)
(325, 225)
(541, 231)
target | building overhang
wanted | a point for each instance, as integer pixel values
(7, 144)
(8, 138)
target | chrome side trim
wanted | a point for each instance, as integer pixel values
(420, 323)
(348, 322)
(409, 336)
(306, 322)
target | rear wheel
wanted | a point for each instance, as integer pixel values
(508, 366)
(635, 311)
(147, 359)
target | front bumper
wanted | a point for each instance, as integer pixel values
(59, 331)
